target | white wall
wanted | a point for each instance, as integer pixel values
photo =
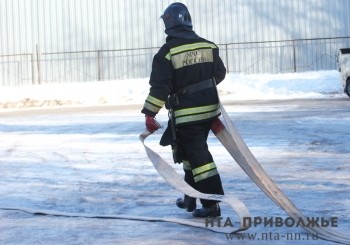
(29, 27)
(71, 25)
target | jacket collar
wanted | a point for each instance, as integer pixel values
(182, 32)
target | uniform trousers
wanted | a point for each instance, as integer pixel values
(199, 167)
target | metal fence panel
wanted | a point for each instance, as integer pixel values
(254, 57)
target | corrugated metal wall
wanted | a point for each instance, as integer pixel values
(120, 37)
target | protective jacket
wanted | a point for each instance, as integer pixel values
(179, 63)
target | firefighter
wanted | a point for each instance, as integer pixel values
(184, 75)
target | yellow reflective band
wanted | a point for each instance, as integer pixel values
(168, 56)
(205, 175)
(193, 46)
(155, 101)
(203, 168)
(199, 117)
(151, 107)
(204, 171)
(196, 110)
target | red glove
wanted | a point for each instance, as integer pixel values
(217, 126)
(151, 124)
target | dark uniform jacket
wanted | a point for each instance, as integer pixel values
(179, 63)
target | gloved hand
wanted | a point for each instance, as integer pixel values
(217, 126)
(151, 124)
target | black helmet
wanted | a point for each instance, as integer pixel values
(176, 14)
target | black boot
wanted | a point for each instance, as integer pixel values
(210, 211)
(188, 203)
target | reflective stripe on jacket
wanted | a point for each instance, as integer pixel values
(193, 114)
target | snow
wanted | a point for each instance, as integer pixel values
(74, 148)
(125, 92)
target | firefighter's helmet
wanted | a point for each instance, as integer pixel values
(176, 14)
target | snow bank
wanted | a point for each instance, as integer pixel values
(281, 86)
(124, 92)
